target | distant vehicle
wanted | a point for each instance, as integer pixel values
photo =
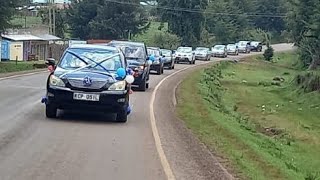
(244, 46)
(168, 58)
(220, 51)
(202, 53)
(89, 78)
(232, 49)
(137, 58)
(185, 54)
(256, 46)
(158, 63)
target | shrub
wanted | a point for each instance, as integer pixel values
(268, 53)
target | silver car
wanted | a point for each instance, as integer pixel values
(244, 46)
(220, 51)
(202, 53)
(232, 49)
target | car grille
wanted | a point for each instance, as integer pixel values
(96, 84)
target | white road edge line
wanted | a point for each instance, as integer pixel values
(164, 161)
(20, 75)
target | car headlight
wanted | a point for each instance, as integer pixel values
(118, 86)
(56, 81)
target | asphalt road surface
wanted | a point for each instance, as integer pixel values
(90, 146)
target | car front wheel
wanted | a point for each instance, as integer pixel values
(51, 111)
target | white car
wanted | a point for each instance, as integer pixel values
(185, 54)
(220, 51)
(202, 53)
(232, 49)
(244, 46)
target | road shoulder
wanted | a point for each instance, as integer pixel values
(187, 156)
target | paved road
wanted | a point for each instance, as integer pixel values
(89, 146)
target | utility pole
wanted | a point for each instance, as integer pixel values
(50, 17)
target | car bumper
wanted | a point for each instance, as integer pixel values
(232, 52)
(242, 50)
(183, 59)
(219, 54)
(201, 57)
(110, 101)
(155, 67)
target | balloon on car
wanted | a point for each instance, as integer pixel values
(121, 72)
(129, 79)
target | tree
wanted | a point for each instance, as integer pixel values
(7, 9)
(184, 18)
(107, 20)
(304, 23)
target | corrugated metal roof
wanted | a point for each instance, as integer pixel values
(22, 37)
(48, 37)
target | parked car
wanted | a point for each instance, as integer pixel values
(256, 46)
(232, 49)
(168, 58)
(220, 51)
(185, 54)
(244, 46)
(137, 58)
(202, 53)
(90, 78)
(158, 63)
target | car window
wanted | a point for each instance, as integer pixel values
(184, 49)
(219, 47)
(78, 58)
(166, 52)
(202, 49)
(153, 52)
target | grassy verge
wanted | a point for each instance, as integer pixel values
(265, 128)
(11, 66)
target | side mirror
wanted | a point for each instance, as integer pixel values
(50, 62)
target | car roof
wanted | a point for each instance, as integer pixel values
(220, 45)
(127, 43)
(184, 47)
(93, 46)
(201, 47)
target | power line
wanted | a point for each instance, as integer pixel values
(201, 11)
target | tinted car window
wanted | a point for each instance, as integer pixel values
(154, 52)
(184, 49)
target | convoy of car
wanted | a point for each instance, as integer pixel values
(99, 78)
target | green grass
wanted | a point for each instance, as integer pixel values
(31, 21)
(149, 33)
(265, 131)
(11, 66)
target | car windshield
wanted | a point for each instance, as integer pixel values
(184, 49)
(231, 46)
(99, 59)
(254, 43)
(154, 52)
(202, 49)
(243, 43)
(219, 47)
(166, 52)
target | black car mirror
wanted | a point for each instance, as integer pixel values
(50, 62)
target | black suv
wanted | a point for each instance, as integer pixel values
(158, 62)
(137, 58)
(89, 78)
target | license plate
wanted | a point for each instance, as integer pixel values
(86, 97)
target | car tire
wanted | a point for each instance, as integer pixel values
(159, 71)
(51, 111)
(143, 85)
(147, 85)
(122, 116)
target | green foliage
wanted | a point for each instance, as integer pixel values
(304, 25)
(268, 53)
(11, 66)
(106, 20)
(7, 9)
(185, 24)
(166, 40)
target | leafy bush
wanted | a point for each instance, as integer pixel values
(308, 81)
(268, 53)
(165, 40)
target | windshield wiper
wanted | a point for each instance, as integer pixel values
(88, 65)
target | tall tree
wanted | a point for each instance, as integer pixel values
(184, 18)
(107, 20)
(7, 10)
(304, 24)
